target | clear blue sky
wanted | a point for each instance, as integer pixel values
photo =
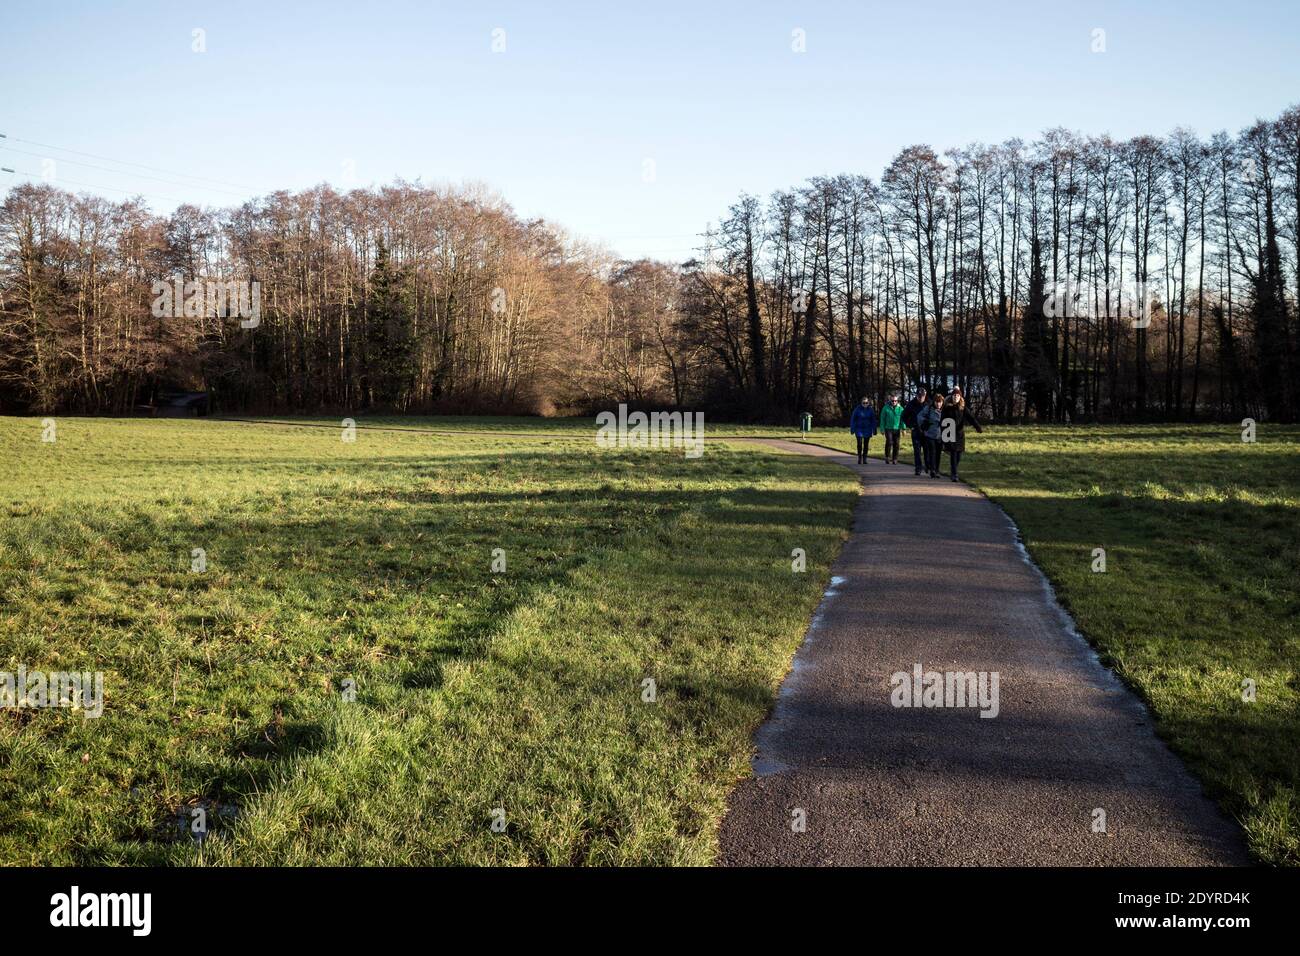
(562, 121)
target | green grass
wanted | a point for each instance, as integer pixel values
(1202, 534)
(523, 690)
(570, 427)
(372, 561)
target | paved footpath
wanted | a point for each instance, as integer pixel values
(933, 574)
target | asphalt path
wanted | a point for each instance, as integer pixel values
(845, 772)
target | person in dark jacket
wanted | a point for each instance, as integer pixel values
(918, 435)
(940, 395)
(862, 424)
(956, 413)
(930, 421)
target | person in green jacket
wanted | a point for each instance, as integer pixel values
(891, 422)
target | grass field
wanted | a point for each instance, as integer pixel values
(372, 561)
(1202, 539)
(523, 690)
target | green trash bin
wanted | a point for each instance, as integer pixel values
(805, 423)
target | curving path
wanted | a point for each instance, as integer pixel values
(933, 573)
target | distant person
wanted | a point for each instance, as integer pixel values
(955, 410)
(930, 421)
(862, 423)
(918, 434)
(891, 422)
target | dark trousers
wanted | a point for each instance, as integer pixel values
(891, 444)
(954, 459)
(933, 449)
(863, 442)
(918, 449)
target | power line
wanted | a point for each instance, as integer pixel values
(125, 162)
(121, 172)
(75, 182)
(644, 253)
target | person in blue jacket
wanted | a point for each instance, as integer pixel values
(862, 423)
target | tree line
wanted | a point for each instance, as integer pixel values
(1068, 279)
(405, 298)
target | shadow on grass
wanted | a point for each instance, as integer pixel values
(671, 566)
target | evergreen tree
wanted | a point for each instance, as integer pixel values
(1037, 350)
(389, 360)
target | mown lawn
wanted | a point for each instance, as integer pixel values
(372, 562)
(523, 690)
(1202, 543)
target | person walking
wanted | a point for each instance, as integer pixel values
(862, 424)
(956, 413)
(930, 421)
(918, 434)
(891, 419)
(939, 395)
